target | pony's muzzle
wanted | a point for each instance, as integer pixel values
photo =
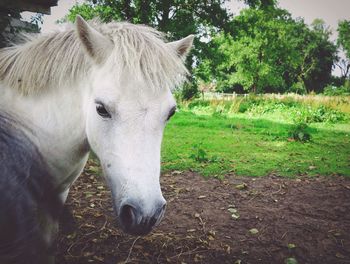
(135, 221)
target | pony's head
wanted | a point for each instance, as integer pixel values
(131, 101)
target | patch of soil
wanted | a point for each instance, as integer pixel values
(236, 220)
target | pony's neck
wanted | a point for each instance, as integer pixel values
(43, 82)
(57, 118)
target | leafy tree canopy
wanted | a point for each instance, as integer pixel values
(263, 49)
(268, 51)
(344, 44)
(261, 4)
(344, 36)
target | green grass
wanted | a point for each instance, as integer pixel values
(253, 145)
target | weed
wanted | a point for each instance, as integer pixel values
(331, 90)
(244, 107)
(299, 132)
(198, 153)
(321, 114)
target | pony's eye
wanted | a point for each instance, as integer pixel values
(101, 110)
(171, 113)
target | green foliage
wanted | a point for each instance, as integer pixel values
(297, 112)
(261, 50)
(344, 36)
(332, 90)
(268, 51)
(300, 132)
(189, 91)
(291, 261)
(198, 153)
(244, 106)
(261, 4)
(343, 42)
(298, 88)
(288, 109)
(320, 55)
(321, 114)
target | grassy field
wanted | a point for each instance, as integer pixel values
(260, 136)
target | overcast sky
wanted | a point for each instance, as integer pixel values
(331, 11)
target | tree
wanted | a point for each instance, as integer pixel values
(269, 51)
(176, 18)
(257, 55)
(261, 4)
(343, 43)
(319, 55)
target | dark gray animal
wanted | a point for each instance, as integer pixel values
(29, 205)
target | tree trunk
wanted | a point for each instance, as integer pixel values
(163, 22)
(145, 8)
(127, 10)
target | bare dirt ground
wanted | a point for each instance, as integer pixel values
(236, 220)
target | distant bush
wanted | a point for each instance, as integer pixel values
(200, 103)
(268, 107)
(249, 102)
(189, 90)
(225, 87)
(297, 111)
(244, 106)
(287, 108)
(321, 114)
(298, 88)
(331, 90)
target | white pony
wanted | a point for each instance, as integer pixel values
(100, 87)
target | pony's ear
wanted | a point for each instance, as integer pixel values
(97, 45)
(182, 46)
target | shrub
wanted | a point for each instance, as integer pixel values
(226, 87)
(299, 132)
(243, 107)
(298, 88)
(248, 103)
(300, 109)
(198, 103)
(332, 90)
(189, 90)
(178, 97)
(307, 114)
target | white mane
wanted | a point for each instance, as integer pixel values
(57, 59)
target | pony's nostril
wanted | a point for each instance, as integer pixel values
(136, 220)
(127, 215)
